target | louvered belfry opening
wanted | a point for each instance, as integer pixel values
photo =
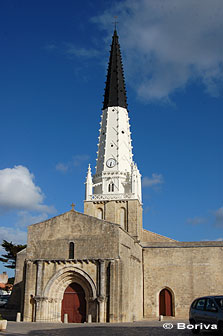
(115, 92)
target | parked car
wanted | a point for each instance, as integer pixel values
(206, 313)
(4, 300)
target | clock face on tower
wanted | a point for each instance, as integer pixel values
(111, 163)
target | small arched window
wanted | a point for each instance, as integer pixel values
(71, 250)
(111, 187)
(99, 213)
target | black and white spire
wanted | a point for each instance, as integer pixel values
(117, 176)
(115, 92)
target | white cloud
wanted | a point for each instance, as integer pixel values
(15, 235)
(51, 46)
(19, 192)
(169, 44)
(218, 239)
(1, 249)
(196, 220)
(155, 180)
(79, 159)
(62, 167)
(218, 217)
(26, 218)
(72, 50)
(76, 161)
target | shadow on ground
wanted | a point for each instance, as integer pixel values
(4, 333)
(100, 331)
(109, 331)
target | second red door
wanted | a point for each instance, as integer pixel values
(165, 303)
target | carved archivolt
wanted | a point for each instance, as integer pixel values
(64, 277)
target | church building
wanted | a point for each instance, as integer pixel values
(101, 265)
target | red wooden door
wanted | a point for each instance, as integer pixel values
(162, 303)
(165, 303)
(74, 304)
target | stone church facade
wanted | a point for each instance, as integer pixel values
(102, 266)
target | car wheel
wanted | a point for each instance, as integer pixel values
(220, 327)
(194, 331)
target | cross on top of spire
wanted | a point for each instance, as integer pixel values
(115, 23)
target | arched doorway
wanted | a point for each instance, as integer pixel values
(74, 304)
(165, 303)
(51, 307)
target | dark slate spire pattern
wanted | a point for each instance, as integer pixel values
(115, 92)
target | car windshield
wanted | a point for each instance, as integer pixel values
(219, 302)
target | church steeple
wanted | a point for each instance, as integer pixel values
(114, 192)
(117, 176)
(115, 92)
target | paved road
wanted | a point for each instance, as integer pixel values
(145, 328)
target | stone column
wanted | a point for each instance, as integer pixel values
(38, 290)
(30, 287)
(101, 298)
(112, 296)
(92, 310)
(117, 288)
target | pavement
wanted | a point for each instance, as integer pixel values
(143, 328)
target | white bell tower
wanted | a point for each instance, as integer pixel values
(116, 174)
(117, 178)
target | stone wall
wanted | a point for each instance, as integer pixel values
(20, 259)
(4, 278)
(93, 238)
(46, 281)
(131, 289)
(135, 218)
(17, 296)
(111, 213)
(149, 236)
(188, 270)
(107, 261)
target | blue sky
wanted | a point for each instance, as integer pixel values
(53, 62)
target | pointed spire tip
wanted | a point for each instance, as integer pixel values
(115, 93)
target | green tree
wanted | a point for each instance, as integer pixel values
(11, 251)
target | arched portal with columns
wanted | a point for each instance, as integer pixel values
(51, 305)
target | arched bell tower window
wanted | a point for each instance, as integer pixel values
(123, 221)
(99, 213)
(111, 187)
(71, 250)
